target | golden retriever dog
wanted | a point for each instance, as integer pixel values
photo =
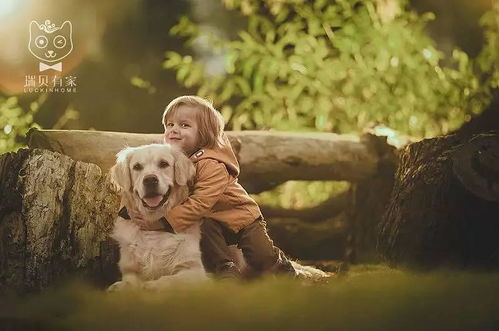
(152, 179)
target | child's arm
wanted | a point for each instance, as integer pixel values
(212, 179)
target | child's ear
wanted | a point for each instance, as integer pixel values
(120, 172)
(184, 168)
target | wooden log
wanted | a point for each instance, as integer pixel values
(367, 204)
(277, 157)
(55, 215)
(310, 241)
(444, 208)
(266, 158)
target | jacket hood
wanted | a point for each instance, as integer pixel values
(223, 154)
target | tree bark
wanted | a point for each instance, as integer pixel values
(367, 203)
(267, 159)
(55, 215)
(444, 208)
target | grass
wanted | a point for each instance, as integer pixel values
(366, 298)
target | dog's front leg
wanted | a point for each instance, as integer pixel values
(128, 281)
(130, 269)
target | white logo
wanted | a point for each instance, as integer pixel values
(50, 43)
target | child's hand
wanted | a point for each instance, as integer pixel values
(135, 215)
(144, 225)
(149, 226)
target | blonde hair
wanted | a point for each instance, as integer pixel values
(210, 121)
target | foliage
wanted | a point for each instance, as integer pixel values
(143, 84)
(15, 122)
(488, 59)
(300, 194)
(337, 66)
(366, 298)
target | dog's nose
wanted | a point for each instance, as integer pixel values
(150, 180)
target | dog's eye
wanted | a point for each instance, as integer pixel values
(137, 166)
(163, 164)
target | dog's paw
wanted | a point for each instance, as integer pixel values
(120, 286)
(152, 286)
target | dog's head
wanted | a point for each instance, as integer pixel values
(149, 173)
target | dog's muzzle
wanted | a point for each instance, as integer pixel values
(153, 199)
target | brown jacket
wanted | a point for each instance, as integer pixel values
(216, 194)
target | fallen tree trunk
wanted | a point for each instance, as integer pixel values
(444, 208)
(267, 158)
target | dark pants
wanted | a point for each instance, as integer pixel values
(258, 249)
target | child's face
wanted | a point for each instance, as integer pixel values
(182, 129)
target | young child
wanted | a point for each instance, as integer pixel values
(229, 214)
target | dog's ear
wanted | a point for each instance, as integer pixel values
(120, 172)
(184, 168)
